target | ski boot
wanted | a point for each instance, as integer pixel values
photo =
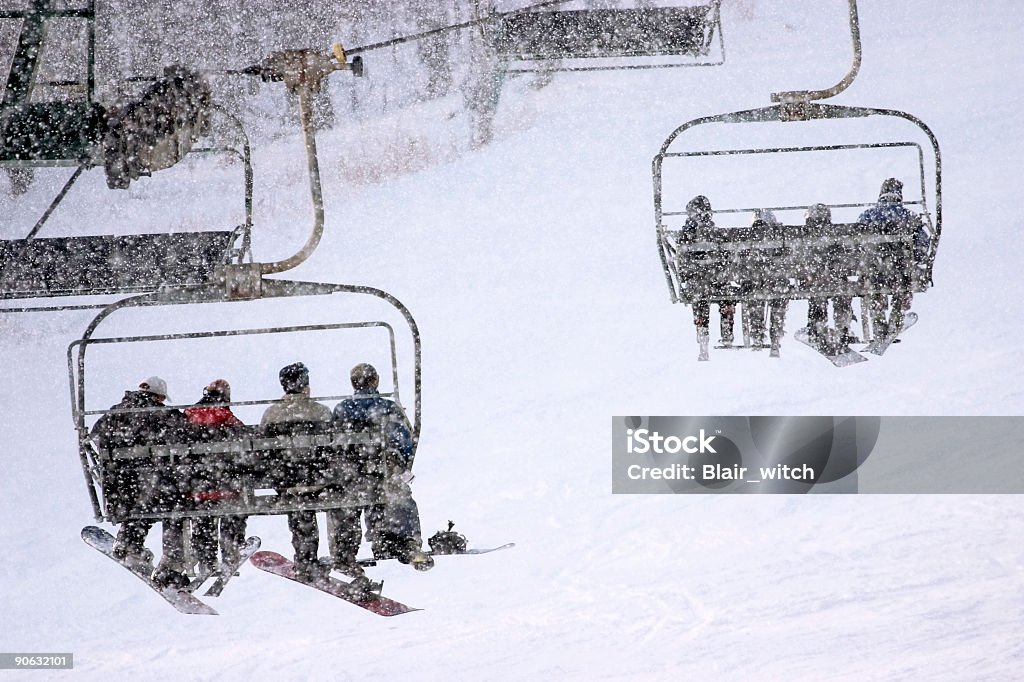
(166, 576)
(703, 341)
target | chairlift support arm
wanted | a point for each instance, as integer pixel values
(794, 96)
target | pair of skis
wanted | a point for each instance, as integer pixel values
(186, 602)
(841, 355)
(183, 599)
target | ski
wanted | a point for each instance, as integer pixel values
(226, 571)
(839, 355)
(182, 600)
(271, 562)
(880, 345)
(370, 561)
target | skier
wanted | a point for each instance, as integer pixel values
(819, 217)
(754, 311)
(148, 422)
(699, 217)
(393, 527)
(212, 419)
(296, 409)
(887, 212)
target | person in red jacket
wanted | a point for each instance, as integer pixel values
(214, 420)
(209, 419)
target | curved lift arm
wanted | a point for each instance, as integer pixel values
(793, 96)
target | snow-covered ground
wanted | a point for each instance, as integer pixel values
(531, 269)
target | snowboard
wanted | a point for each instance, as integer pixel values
(183, 600)
(272, 562)
(880, 345)
(226, 571)
(838, 354)
(370, 561)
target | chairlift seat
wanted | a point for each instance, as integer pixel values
(107, 264)
(267, 473)
(795, 262)
(567, 34)
(50, 131)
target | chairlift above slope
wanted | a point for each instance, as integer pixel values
(170, 118)
(258, 462)
(737, 261)
(60, 124)
(550, 37)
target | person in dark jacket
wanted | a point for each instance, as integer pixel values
(393, 527)
(887, 212)
(210, 419)
(298, 411)
(819, 217)
(754, 311)
(139, 419)
(699, 217)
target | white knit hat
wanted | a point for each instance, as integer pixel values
(156, 386)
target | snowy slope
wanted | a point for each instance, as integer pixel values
(531, 270)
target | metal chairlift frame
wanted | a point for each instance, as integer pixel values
(791, 108)
(251, 445)
(19, 256)
(301, 71)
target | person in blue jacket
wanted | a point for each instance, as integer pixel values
(887, 212)
(393, 525)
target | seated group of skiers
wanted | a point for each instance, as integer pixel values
(393, 525)
(886, 316)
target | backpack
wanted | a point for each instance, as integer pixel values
(447, 541)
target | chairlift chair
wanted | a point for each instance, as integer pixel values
(258, 465)
(540, 38)
(791, 260)
(150, 133)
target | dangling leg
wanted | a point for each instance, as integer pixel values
(842, 313)
(778, 324)
(170, 572)
(305, 542)
(345, 533)
(204, 542)
(727, 314)
(817, 316)
(701, 313)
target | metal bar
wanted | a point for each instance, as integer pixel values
(53, 204)
(808, 95)
(22, 74)
(444, 29)
(791, 208)
(784, 150)
(316, 192)
(234, 332)
(82, 13)
(90, 90)
(240, 403)
(271, 288)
